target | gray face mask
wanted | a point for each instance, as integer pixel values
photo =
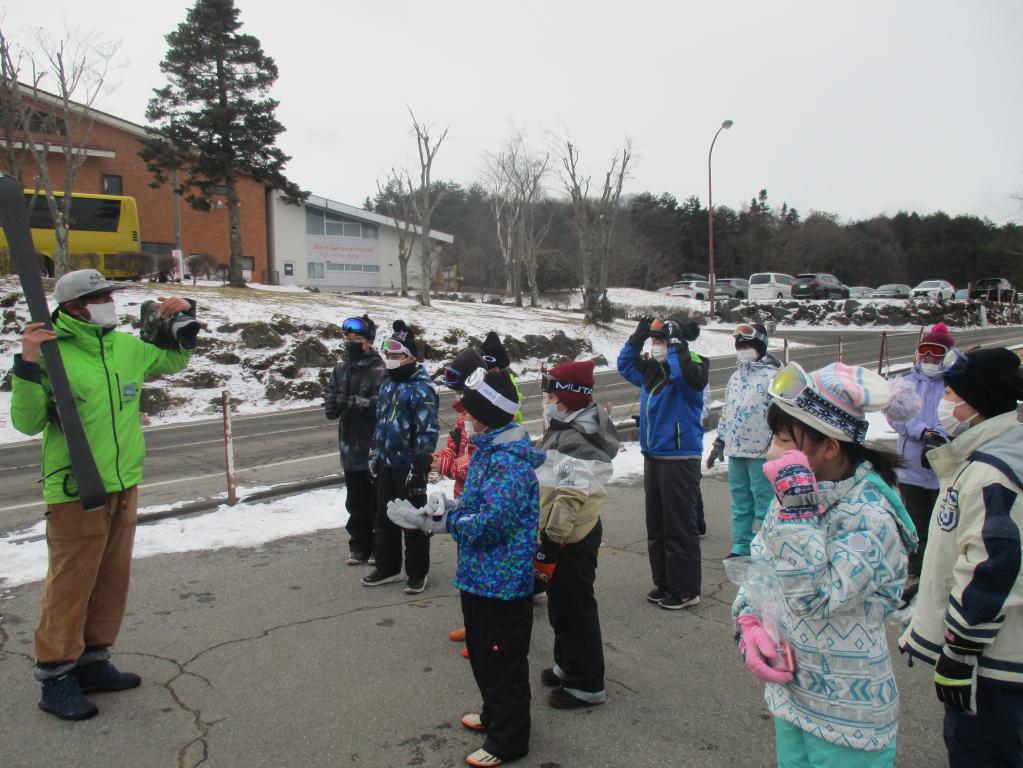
(659, 353)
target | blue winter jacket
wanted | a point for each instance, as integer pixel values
(910, 447)
(406, 420)
(671, 400)
(495, 523)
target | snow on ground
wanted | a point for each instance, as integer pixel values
(218, 305)
(23, 557)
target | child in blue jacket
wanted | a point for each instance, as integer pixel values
(672, 382)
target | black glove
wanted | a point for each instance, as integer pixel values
(415, 486)
(545, 560)
(717, 453)
(358, 401)
(642, 332)
(931, 440)
(691, 331)
(955, 674)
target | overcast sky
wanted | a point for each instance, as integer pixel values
(856, 108)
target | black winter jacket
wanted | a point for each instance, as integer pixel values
(351, 395)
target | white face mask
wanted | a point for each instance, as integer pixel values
(551, 412)
(930, 370)
(104, 314)
(746, 354)
(659, 353)
(390, 364)
(470, 430)
(948, 420)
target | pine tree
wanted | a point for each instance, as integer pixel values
(214, 120)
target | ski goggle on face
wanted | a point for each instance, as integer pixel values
(357, 326)
(955, 363)
(930, 349)
(790, 382)
(392, 347)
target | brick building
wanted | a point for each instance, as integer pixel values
(113, 167)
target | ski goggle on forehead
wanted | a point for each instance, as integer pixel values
(790, 382)
(475, 382)
(357, 326)
(748, 332)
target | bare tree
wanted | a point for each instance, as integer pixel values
(396, 197)
(515, 177)
(594, 220)
(75, 66)
(425, 199)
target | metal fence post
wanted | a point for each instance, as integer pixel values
(884, 352)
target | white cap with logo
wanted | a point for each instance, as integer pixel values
(82, 283)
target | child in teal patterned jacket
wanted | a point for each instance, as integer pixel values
(835, 543)
(495, 527)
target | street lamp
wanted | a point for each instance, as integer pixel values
(710, 214)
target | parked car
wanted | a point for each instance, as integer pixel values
(819, 285)
(993, 289)
(962, 294)
(731, 287)
(770, 285)
(860, 292)
(695, 289)
(892, 291)
(688, 277)
(941, 290)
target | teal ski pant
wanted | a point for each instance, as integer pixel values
(751, 493)
(799, 749)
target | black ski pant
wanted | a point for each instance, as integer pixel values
(497, 634)
(919, 503)
(361, 503)
(572, 609)
(391, 484)
(992, 738)
(672, 487)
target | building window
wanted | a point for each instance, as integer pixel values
(289, 269)
(315, 270)
(249, 263)
(113, 185)
(313, 221)
(159, 249)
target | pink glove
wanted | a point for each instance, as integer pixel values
(758, 651)
(795, 486)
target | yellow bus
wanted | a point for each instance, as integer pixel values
(104, 233)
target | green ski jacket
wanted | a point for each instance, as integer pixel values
(106, 369)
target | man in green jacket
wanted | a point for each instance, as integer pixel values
(86, 588)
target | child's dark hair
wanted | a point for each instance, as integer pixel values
(884, 462)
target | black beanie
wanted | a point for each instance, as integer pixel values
(404, 336)
(492, 347)
(990, 382)
(482, 409)
(465, 362)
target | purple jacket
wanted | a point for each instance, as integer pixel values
(910, 447)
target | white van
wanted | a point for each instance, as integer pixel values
(766, 286)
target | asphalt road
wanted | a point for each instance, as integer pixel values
(277, 656)
(186, 461)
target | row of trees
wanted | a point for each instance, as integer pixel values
(648, 240)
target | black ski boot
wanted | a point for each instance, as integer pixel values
(63, 697)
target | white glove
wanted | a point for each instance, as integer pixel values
(430, 519)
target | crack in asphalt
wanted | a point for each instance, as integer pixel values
(201, 725)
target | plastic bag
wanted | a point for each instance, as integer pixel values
(763, 592)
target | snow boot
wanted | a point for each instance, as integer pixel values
(63, 698)
(104, 677)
